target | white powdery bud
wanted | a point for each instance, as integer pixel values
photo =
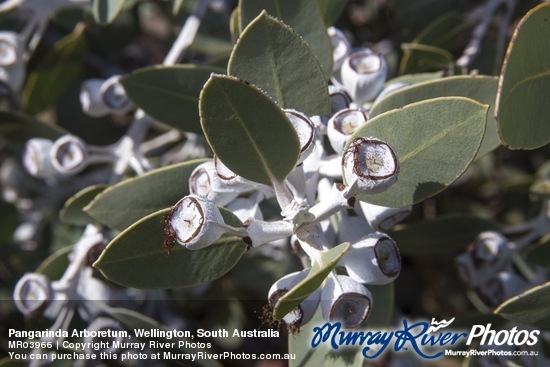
(352, 228)
(204, 181)
(196, 222)
(490, 245)
(91, 98)
(260, 232)
(245, 208)
(32, 293)
(370, 166)
(306, 310)
(114, 96)
(69, 155)
(504, 286)
(342, 125)
(12, 67)
(373, 260)
(363, 75)
(339, 99)
(383, 218)
(36, 158)
(345, 300)
(305, 130)
(341, 47)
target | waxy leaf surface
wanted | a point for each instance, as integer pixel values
(434, 140)
(273, 57)
(247, 130)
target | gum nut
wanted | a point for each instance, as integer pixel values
(341, 47)
(370, 166)
(283, 286)
(489, 245)
(383, 218)
(466, 268)
(32, 293)
(373, 260)
(9, 54)
(195, 222)
(36, 158)
(342, 125)
(91, 98)
(363, 75)
(339, 99)
(68, 155)
(114, 95)
(261, 232)
(345, 300)
(502, 287)
(352, 228)
(231, 178)
(204, 181)
(305, 130)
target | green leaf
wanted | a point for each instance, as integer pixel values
(522, 102)
(132, 199)
(105, 11)
(10, 219)
(73, 210)
(331, 10)
(136, 257)
(235, 24)
(480, 88)
(530, 307)
(446, 233)
(54, 266)
(302, 16)
(314, 279)
(169, 94)
(419, 58)
(443, 31)
(55, 71)
(416, 78)
(435, 141)
(247, 130)
(17, 128)
(273, 57)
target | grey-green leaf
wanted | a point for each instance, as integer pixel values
(303, 16)
(480, 88)
(247, 130)
(530, 307)
(136, 258)
(132, 199)
(57, 69)
(419, 58)
(105, 11)
(523, 101)
(73, 213)
(169, 94)
(435, 141)
(273, 57)
(314, 279)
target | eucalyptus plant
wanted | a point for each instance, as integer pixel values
(281, 156)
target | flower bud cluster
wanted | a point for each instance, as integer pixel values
(100, 97)
(489, 269)
(316, 208)
(64, 157)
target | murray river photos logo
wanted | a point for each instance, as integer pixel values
(427, 340)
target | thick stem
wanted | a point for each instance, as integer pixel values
(187, 34)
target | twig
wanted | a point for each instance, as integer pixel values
(187, 34)
(483, 15)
